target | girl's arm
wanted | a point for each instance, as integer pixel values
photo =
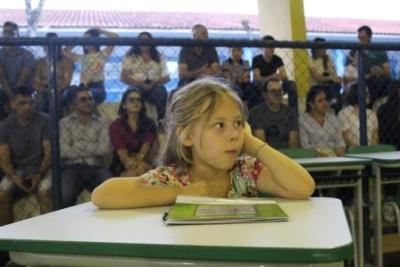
(123, 193)
(281, 176)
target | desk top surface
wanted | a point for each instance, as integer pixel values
(382, 157)
(317, 231)
(332, 161)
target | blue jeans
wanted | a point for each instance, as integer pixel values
(76, 177)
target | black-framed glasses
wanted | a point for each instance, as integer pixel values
(134, 100)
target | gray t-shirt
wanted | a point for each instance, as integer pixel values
(194, 61)
(25, 142)
(276, 125)
(14, 63)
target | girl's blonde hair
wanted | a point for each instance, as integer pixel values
(188, 105)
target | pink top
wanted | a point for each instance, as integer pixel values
(123, 137)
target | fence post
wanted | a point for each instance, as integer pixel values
(54, 129)
(361, 96)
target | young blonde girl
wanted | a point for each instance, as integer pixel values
(209, 151)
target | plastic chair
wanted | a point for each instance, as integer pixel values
(298, 153)
(371, 149)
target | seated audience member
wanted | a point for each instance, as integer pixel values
(16, 67)
(350, 74)
(65, 67)
(145, 68)
(272, 121)
(350, 122)
(24, 155)
(92, 63)
(377, 68)
(320, 129)
(389, 117)
(267, 66)
(237, 71)
(323, 72)
(197, 62)
(84, 146)
(132, 136)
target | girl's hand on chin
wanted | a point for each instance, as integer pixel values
(248, 140)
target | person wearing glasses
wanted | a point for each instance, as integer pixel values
(272, 121)
(84, 147)
(16, 66)
(132, 136)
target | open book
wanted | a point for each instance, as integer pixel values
(207, 210)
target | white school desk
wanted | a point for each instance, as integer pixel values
(329, 164)
(380, 160)
(316, 234)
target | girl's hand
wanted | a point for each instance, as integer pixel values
(249, 140)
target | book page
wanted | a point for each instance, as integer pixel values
(213, 210)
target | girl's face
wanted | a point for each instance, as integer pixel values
(216, 141)
(133, 103)
(320, 105)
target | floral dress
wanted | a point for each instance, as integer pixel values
(243, 175)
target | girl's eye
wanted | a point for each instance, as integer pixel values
(219, 125)
(239, 124)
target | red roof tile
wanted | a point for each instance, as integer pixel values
(178, 20)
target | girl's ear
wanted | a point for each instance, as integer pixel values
(184, 136)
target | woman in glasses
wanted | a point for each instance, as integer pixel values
(132, 136)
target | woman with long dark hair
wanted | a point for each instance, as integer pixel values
(319, 129)
(132, 136)
(145, 68)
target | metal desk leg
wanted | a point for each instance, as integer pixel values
(360, 231)
(378, 218)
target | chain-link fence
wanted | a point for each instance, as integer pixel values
(112, 125)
